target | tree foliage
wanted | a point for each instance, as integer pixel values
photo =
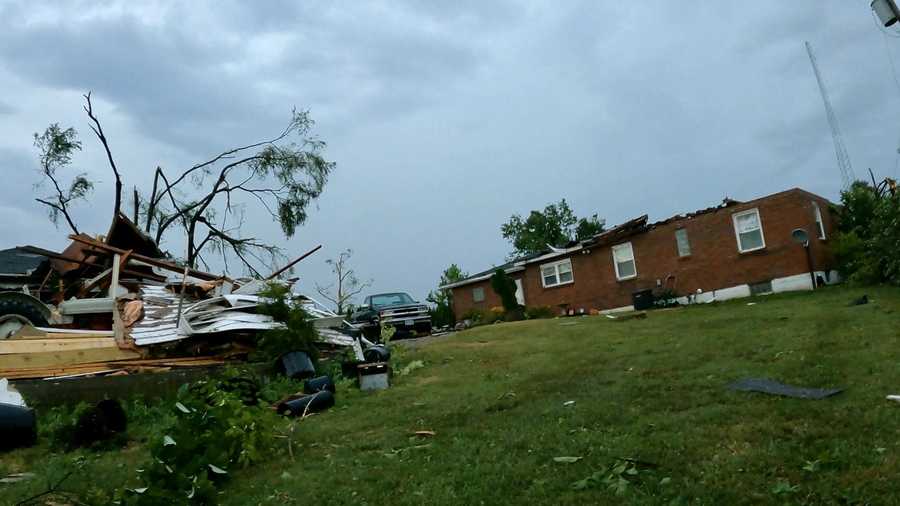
(206, 202)
(867, 246)
(442, 298)
(588, 227)
(347, 285)
(56, 147)
(282, 175)
(298, 332)
(215, 428)
(555, 226)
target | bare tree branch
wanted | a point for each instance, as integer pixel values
(348, 285)
(98, 131)
(151, 202)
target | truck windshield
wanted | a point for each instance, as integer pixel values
(390, 299)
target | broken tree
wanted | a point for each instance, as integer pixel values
(206, 202)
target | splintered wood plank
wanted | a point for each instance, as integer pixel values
(75, 332)
(66, 337)
(12, 346)
(58, 372)
(40, 372)
(172, 361)
(65, 358)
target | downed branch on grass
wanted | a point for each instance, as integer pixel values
(53, 489)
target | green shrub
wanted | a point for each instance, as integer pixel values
(539, 312)
(665, 298)
(298, 333)
(68, 428)
(58, 424)
(218, 426)
(867, 246)
(475, 316)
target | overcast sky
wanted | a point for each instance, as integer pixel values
(446, 117)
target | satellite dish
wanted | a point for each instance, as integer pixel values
(800, 236)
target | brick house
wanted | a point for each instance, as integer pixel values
(732, 250)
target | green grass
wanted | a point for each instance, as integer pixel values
(651, 390)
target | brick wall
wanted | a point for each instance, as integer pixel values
(464, 301)
(714, 263)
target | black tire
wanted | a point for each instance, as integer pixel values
(25, 309)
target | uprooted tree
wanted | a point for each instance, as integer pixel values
(347, 284)
(281, 175)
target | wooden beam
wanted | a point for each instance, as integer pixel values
(13, 346)
(92, 283)
(114, 282)
(292, 263)
(50, 254)
(156, 262)
(65, 358)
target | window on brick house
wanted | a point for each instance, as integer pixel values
(623, 260)
(681, 240)
(748, 230)
(478, 294)
(557, 273)
(820, 226)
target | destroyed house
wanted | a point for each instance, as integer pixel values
(117, 305)
(735, 249)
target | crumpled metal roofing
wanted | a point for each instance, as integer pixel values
(227, 313)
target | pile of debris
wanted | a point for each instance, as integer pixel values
(119, 306)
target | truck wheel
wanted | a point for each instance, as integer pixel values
(16, 313)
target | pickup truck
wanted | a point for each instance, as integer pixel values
(396, 309)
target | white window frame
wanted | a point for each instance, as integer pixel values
(737, 234)
(478, 289)
(687, 241)
(620, 247)
(820, 224)
(555, 265)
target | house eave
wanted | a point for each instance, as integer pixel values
(508, 270)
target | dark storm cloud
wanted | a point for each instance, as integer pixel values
(448, 117)
(171, 83)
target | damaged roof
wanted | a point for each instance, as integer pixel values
(618, 232)
(18, 262)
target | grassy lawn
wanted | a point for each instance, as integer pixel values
(652, 390)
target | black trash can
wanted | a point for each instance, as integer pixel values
(377, 353)
(642, 300)
(297, 365)
(319, 401)
(18, 427)
(319, 384)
